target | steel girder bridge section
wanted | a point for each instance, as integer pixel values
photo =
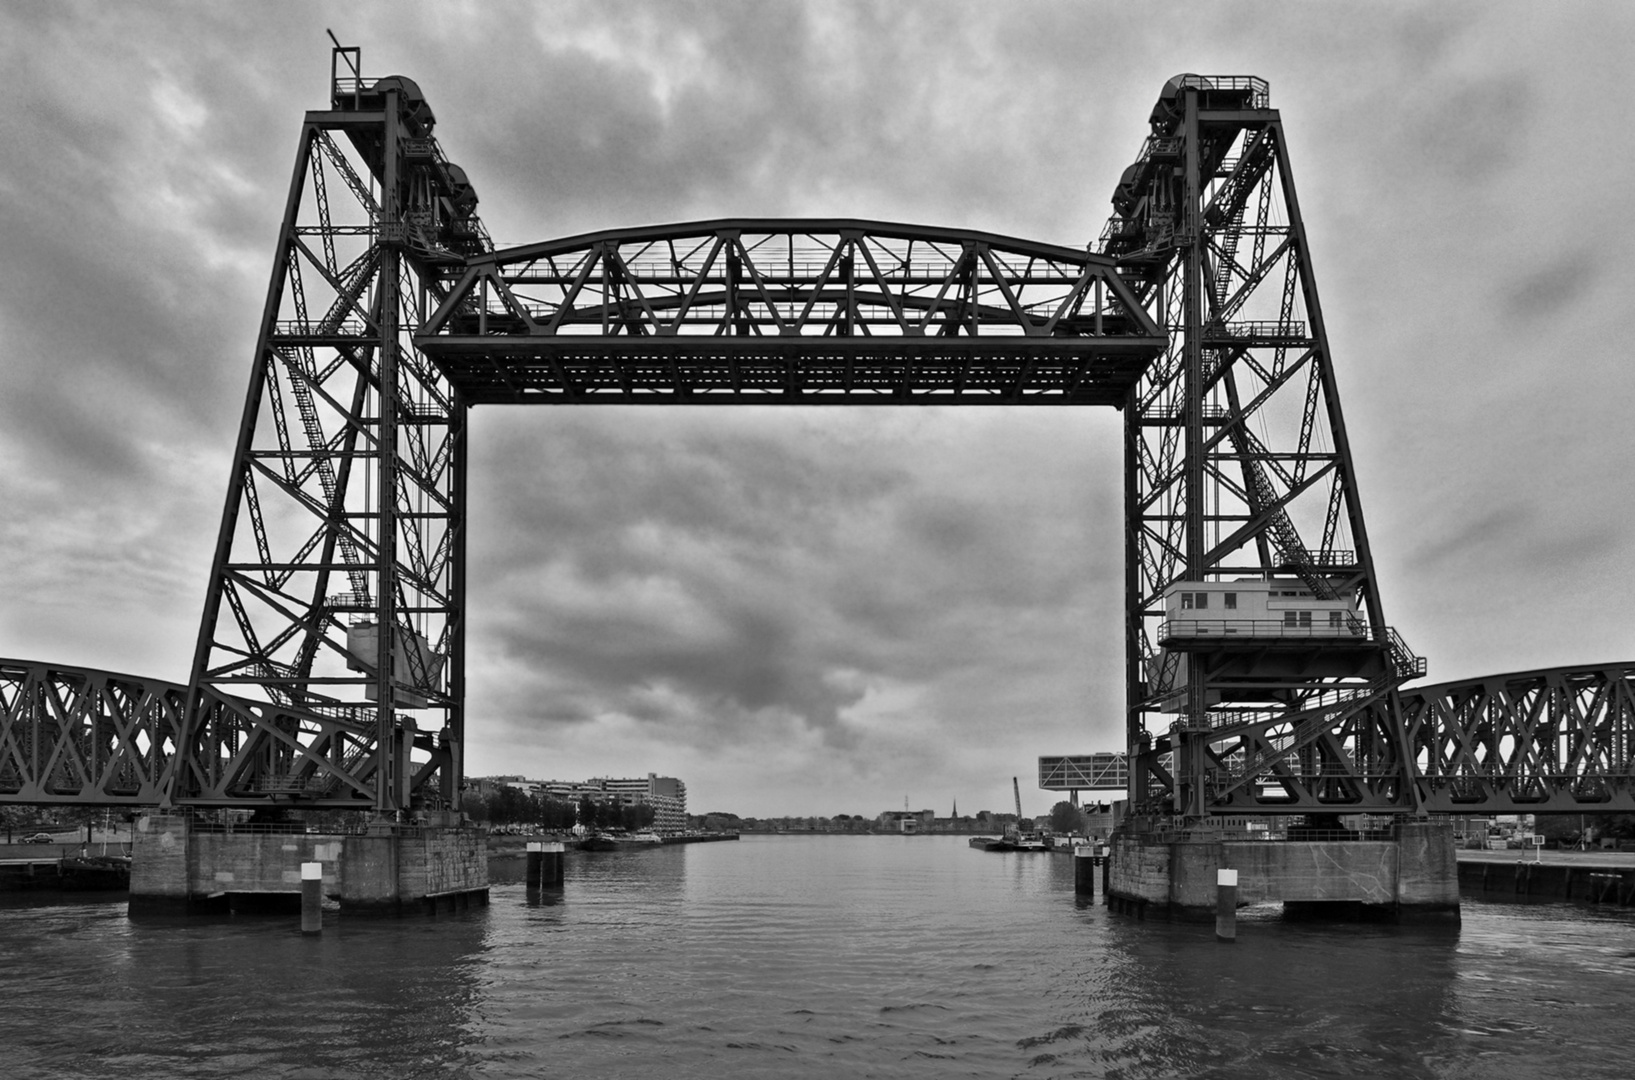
(805, 312)
(79, 736)
(1560, 740)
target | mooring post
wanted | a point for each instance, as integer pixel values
(536, 855)
(312, 897)
(550, 864)
(1226, 905)
(1084, 870)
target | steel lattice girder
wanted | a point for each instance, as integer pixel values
(792, 311)
(81, 736)
(70, 735)
(1553, 740)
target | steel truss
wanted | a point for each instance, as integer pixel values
(1237, 467)
(1560, 740)
(336, 596)
(329, 667)
(74, 735)
(804, 312)
(1555, 740)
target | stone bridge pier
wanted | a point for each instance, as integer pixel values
(181, 866)
(1412, 875)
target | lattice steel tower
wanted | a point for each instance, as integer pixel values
(1255, 628)
(336, 600)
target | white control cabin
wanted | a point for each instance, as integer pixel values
(1251, 608)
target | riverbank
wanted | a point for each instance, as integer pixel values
(1594, 877)
(504, 845)
(62, 872)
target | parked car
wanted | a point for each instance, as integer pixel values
(39, 838)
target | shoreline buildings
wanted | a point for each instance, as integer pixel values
(665, 794)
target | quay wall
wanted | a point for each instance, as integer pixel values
(1583, 882)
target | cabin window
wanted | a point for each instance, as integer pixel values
(1231, 601)
(1186, 601)
(1334, 619)
(1288, 618)
(1203, 601)
(1305, 618)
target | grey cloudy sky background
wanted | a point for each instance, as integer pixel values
(821, 612)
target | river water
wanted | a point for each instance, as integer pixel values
(812, 957)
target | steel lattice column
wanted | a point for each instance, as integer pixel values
(1237, 469)
(349, 471)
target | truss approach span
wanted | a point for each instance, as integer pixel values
(1553, 740)
(71, 735)
(794, 312)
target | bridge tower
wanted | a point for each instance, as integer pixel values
(332, 639)
(1257, 642)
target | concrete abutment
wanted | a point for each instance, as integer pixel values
(180, 866)
(1412, 876)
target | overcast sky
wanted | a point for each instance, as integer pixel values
(821, 612)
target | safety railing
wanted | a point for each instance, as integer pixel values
(309, 328)
(1349, 630)
(1259, 90)
(1253, 329)
(1404, 661)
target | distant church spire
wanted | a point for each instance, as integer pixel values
(955, 814)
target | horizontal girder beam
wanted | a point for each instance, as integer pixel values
(800, 311)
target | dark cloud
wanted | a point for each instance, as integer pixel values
(1544, 294)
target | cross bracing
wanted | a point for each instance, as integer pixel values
(329, 668)
(1559, 740)
(800, 312)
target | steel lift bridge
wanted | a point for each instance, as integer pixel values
(330, 665)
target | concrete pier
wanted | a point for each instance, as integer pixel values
(1411, 876)
(184, 867)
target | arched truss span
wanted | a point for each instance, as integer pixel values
(792, 311)
(91, 737)
(1552, 740)
(1555, 740)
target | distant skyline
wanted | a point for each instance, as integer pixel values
(803, 611)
